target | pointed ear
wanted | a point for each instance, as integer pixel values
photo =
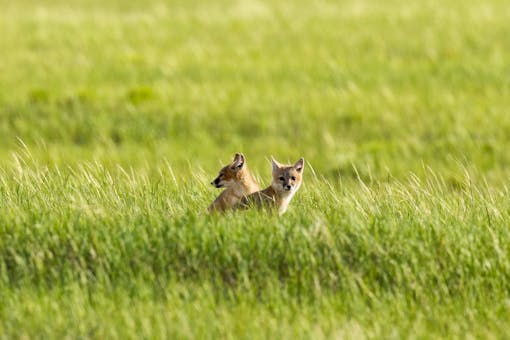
(275, 164)
(238, 162)
(299, 165)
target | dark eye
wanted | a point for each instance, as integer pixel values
(282, 179)
(293, 178)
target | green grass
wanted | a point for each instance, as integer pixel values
(101, 253)
(115, 116)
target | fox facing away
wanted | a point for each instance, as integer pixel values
(286, 181)
(238, 183)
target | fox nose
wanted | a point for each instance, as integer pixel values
(216, 181)
(287, 187)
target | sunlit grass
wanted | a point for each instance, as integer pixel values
(115, 116)
(140, 246)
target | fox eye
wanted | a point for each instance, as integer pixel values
(281, 178)
(293, 178)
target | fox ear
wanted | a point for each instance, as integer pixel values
(275, 164)
(299, 165)
(238, 162)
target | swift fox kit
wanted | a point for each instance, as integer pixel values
(286, 181)
(237, 180)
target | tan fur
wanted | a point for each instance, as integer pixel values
(285, 183)
(238, 183)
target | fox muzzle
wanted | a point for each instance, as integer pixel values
(216, 183)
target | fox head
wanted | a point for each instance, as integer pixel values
(230, 174)
(287, 178)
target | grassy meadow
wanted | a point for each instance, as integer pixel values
(116, 115)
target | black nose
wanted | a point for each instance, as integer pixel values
(287, 187)
(216, 181)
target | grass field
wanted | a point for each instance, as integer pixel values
(116, 115)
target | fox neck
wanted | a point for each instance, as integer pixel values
(245, 186)
(246, 182)
(282, 197)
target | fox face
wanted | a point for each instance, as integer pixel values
(229, 175)
(287, 178)
(238, 183)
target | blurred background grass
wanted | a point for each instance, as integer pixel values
(387, 87)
